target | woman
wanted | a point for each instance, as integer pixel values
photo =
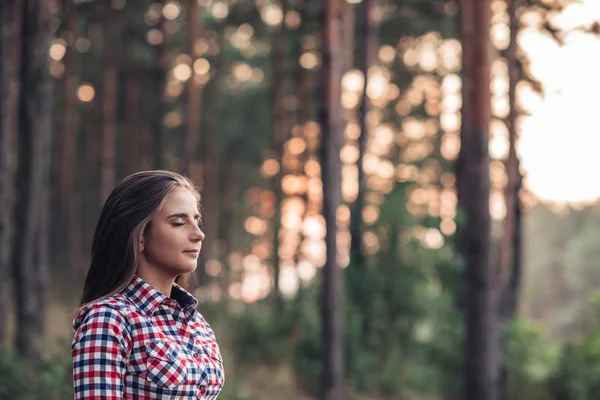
(138, 334)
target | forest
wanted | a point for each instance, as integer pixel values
(399, 196)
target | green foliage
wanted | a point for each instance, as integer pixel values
(403, 332)
(529, 360)
(51, 379)
(257, 337)
(308, 349)
(233, 391)
(577, 376)
(14, 377)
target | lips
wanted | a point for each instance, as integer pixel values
(193, 253)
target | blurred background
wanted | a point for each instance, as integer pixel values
(400, 197)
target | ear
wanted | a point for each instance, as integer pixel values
(141, 245)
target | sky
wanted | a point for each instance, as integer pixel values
(560, 141)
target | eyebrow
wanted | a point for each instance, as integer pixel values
(183, 215)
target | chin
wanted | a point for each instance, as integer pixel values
(188, 268)
(180, 269)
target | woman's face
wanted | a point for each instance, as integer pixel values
(173, 241)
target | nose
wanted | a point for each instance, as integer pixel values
(198, 235)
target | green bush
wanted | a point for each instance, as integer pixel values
(51, 379)
(529, 360)
(577, 376)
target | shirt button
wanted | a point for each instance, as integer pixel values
(202, 387)
(196, 355)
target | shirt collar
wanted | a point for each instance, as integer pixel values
(147, 299)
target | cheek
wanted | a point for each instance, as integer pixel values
(162, 244)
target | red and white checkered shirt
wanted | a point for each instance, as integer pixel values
(140, 344)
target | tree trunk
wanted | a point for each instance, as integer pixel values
(109, 128)
(369, 30)
(93, 136)
(332, 126)
(211, 202)
(4, 185)
(69, 205)
(482, 345)
(279, 136)
(133, 130)
(5, 181)
(228, 189)
(210, 151)
(194, 91)
(10, 126)
(160, 72)
(511, 261)
(30, 253)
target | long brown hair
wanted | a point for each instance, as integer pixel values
(125, 217)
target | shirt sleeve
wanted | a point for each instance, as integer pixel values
(100, 350)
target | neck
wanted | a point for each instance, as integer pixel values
(159, 281)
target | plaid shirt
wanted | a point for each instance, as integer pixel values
(140, 344)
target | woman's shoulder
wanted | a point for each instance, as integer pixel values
(112, 310)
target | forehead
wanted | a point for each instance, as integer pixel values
(180, 200)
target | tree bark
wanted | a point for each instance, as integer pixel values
(481, 371)
(332, 126)
(369, 30)
(10, 125)
(279, 136)
(109, 124)
(4, 185)
(69, 204)
(5, 181)
(228, 189)
(160, 72)
(194, 91)
(211, 154)
(30, 253)
(133, 130)
(511, 261)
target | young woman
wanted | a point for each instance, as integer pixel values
(138, 334)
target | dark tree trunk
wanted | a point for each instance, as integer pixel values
(369, 30)
(211, 201)
(210, 151)
(279, 136)
(69, 205)
(93, 135)
(133, 130)
(109, 114)
(194, 92)
(4, 185)
(147, 102)
(511, 261)
(481, 371)
(10, 125)
(30, 252)
(332, 126)
(5, 181)
(228, 189)
(511, 256)
(160, 72)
